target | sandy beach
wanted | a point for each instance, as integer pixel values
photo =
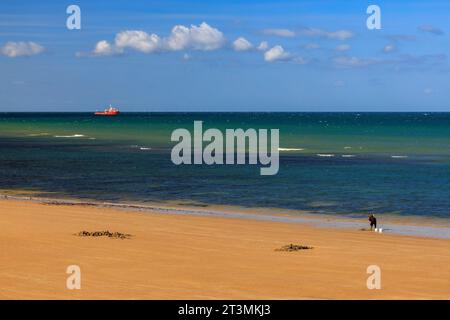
(172, 256)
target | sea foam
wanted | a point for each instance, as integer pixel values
(290, 149)
(325, 155)
(38, 134)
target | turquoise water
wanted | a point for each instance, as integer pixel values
(396, 163)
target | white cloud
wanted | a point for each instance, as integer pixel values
(178, 39)
(286, 33)
(338, 35)
(276, 53)
(205, 37)
(242, 44)
(137, 40)
(311, 32)
(389, 48)
(19, 49)
(201, 37)
(263, 46)
(343, 47)
(103, 48)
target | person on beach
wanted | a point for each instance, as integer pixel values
(373, 221)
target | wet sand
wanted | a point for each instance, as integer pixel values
(173, 256)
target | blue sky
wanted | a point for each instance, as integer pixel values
(315, 56)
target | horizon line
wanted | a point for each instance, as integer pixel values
(237, 111)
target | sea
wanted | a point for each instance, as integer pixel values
(347, 164)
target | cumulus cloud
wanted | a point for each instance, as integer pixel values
(201, 37)
(343, 47)
(103, 48)
(20, 49)
(263, 46)
(178, 39)
(276, 53)
(286, 33)
(338, 35)
(242, 44)
(137, 40)
(430, 29)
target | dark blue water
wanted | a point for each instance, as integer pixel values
(399, 164)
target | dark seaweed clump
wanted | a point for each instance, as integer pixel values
(106, 233)
(293, 247)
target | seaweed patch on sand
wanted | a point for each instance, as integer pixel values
(293, 247)
(106, 233)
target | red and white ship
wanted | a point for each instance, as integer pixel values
(110, 111)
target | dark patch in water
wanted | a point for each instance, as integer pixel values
(117, 235)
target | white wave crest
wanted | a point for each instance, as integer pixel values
(38, 134)
(325, 155)
(71, 136)
(290, 149)
(399, 157)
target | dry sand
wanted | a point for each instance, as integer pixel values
(173, 256)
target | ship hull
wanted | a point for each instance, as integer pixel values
(115, 113)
